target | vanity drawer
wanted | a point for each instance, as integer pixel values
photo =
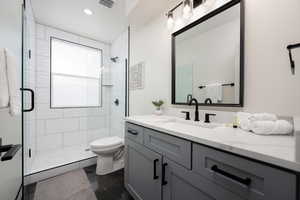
(134, 132)
(244, 177)
(177, 150)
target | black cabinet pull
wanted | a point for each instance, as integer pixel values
(32, 99)
(244, 181)
(11, 151)
(154, 169)
(132, 132)
(163, 179)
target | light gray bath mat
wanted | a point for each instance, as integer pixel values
(73, 185)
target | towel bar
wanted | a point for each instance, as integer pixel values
(227, 84)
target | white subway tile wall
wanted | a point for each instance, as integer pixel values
(75, 138)
(43, 64)
(69, 127)
(49, 142)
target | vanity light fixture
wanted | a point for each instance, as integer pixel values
(88, 11)
(197, 3)
(170, 22)
(187, 9)
(188, 6)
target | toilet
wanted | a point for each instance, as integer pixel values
(110, 151)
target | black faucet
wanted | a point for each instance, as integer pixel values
(208, 101)
(196, 110)
(187, 115)
(207, 115)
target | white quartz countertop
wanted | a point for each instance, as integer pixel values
(282, 151)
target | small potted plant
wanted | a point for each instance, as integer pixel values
(158, 104)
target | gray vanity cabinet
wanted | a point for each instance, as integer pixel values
(142, 172)
(159, 166)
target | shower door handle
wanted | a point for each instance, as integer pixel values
(32, 99)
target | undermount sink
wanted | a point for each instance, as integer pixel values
(201, 124)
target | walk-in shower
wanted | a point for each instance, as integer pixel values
(75, 83)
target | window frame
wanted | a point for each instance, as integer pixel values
(100, 82)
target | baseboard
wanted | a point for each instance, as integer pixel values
(32, 178)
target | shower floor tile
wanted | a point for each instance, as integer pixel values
(51, 159)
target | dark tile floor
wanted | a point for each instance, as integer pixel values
(108, 187)
(29, 191)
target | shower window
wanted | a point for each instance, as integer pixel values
(75, 75)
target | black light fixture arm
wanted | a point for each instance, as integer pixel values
(170, 11)
(195, 4)
(290, 48)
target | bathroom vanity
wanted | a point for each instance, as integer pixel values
(169, 159)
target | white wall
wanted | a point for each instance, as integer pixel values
(62, 128)
(269, 85)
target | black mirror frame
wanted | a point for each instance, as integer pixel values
(242, 34)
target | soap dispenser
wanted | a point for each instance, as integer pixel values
(235, 123)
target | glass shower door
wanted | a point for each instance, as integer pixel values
(28, 88)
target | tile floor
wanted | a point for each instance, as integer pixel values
(109, 187)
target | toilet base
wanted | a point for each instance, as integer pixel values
(105, 165)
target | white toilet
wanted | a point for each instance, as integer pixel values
(110, 151)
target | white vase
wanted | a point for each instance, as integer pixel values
(158, 111)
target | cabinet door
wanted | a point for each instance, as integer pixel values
(142, 172)
(181, 183)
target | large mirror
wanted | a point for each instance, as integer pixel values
(207, 58)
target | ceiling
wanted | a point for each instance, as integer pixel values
(106, 24)
(146, 10)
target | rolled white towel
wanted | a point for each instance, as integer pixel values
(243, 120)
(279, 127)
(263, 117)
(262, 127)
(4, 96)
(282, 127)
(13, 83)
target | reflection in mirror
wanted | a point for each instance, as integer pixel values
(207, 59)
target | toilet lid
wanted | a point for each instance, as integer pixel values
(107, 143)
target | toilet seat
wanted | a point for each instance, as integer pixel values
(107, 143)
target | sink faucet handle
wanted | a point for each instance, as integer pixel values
(187, 115)
(207, 117)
